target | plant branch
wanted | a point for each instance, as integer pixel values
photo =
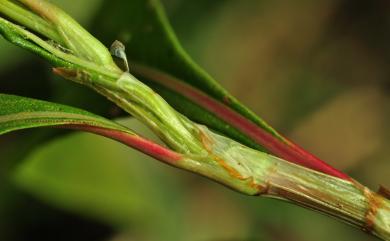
(203, 152)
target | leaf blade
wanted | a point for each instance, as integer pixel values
(17, 113)
(20, 113)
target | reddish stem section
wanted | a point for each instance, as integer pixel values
(283, 148)
(146, 146)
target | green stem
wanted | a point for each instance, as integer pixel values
(256, 173)
(175, 129)
(30, 20)
(84, 64)
(52, 22)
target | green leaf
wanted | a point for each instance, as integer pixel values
(157, 58)
(18, 113)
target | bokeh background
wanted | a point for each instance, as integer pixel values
(318, 71)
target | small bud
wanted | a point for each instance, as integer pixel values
(117, 50)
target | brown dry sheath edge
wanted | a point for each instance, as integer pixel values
(375, 202)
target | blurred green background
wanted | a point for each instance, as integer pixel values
(315, 70)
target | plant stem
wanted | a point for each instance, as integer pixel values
(27, 18)
(270, 176)
(214, 156)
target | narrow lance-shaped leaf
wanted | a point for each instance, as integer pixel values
(159, 60)
(17, 113)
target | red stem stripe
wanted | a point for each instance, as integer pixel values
(146, 146)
